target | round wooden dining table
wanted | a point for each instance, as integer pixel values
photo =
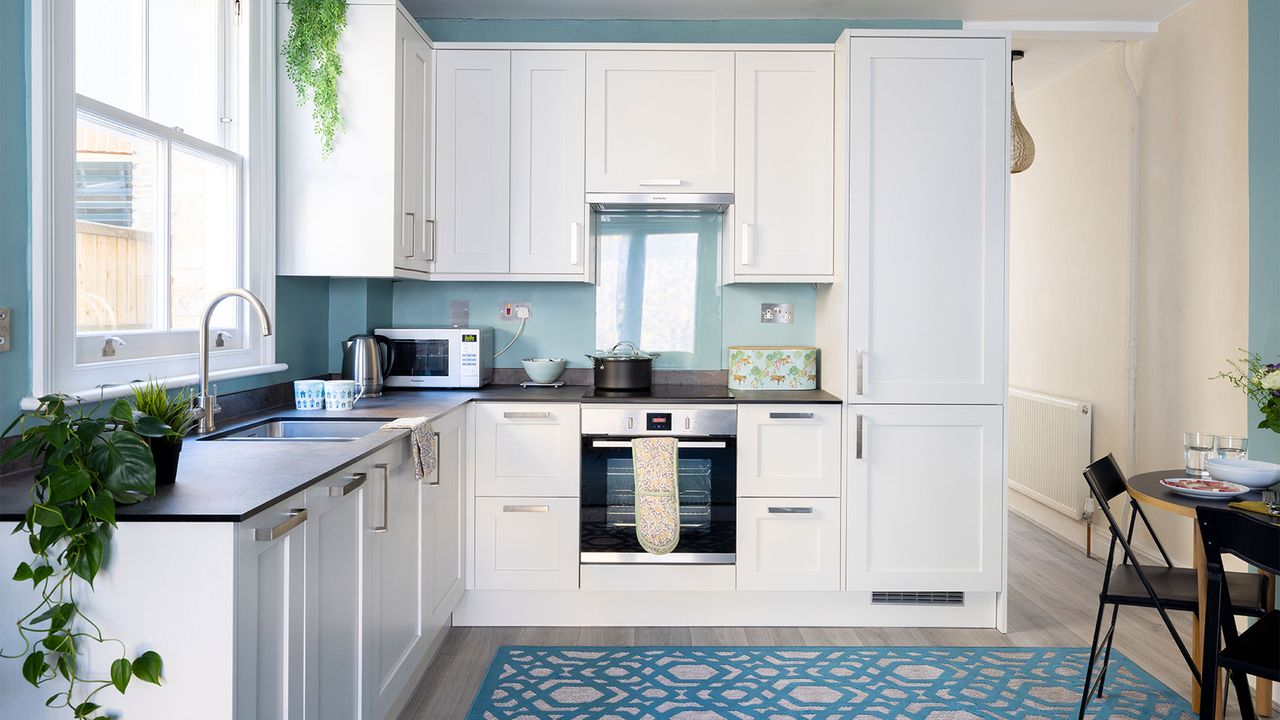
(1146, 489)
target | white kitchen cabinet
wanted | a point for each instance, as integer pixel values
(788, 544)
(527, 449)
(363, 194)
(927, 215)
(526, 543)
(473, 161)
(784, 167)
(393, 583)
(417, 219)
(334, 532)
(548, 145)
(659, 122)
(270, 597)
(443, 523)
(789, 450)
(925, 502)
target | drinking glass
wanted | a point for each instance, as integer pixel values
(1198, 447)
(1233, 447)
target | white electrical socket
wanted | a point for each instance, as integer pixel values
(515, 311)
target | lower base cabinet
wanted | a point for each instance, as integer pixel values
(526, 543)
(788, 544)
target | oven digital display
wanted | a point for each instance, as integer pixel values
(657, 421)
(468, 338)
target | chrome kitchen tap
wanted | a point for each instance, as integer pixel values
(207, 402)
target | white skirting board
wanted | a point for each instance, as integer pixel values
(586, 608)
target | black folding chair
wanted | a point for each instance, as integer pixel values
(1256, 651)
(1162, 587)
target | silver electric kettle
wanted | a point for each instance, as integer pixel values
(367, 360)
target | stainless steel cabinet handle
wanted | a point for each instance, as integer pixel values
(429, 239)
(860, 357)
(436, 435)
(413, 234)
(386, 491)
(790, 416)
(660, 182)
(357, 479)
(681, 443)
(575, 242)
(526, 508)
(526, 415)
(296, 518)
(790, 511)
(858, 444)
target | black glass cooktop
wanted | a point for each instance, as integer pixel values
(665, 392)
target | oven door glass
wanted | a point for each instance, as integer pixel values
(421, 358)
(708, 491)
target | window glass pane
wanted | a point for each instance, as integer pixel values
(111, 52)
(204, 257)
(116, 229)
(184, 89)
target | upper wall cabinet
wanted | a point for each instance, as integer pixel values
(364, 211)
(659, 121)
(784, 213)
(510, 169)
(928, 182)
(473, 165)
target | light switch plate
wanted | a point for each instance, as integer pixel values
(783, 313)
(6, 326)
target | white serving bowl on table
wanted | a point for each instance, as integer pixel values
(1250, 473)
(543, 370)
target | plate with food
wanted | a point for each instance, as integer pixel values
(1204, 488)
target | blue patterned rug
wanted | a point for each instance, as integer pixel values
(811, 683)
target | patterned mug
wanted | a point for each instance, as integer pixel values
(308, 394)
(341, 394)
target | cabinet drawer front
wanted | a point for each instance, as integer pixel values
(525, 543)
(527, 449)
(789, 544)
(789, 450)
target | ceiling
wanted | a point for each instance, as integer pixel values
(1048, 60)
(975, 10)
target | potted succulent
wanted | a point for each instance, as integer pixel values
(175, 411)
(88, 462)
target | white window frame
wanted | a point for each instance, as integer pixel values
(53, 122)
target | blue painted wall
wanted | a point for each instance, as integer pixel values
(15, 200)
(636, 31)
(1264, 201)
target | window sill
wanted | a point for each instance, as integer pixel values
(116, 391)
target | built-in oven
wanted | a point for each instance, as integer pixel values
(440, 357)
(707, 470)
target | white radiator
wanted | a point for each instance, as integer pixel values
(1049, 448)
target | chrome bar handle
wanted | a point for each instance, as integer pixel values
(429, 240)
(790, 510)
(435, 482)
(660, 182)
(860, 369)
(790, 416)
(858, 435)
(526, 508)
(357, 479)
(413, 234)
(296, 518)
(386, 491)
(512, 415)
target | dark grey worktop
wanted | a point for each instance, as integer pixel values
(231, 481)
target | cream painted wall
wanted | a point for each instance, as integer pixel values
(1070, 255)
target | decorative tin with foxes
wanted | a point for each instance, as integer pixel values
(773, 368)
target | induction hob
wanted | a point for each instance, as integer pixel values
(664, 392)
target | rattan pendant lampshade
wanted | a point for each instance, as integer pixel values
(1022, 149)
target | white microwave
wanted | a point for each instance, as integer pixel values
(440, 357)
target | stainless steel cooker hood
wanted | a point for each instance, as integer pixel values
(659, 203)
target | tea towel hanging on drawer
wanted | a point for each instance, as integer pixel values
(657, 481)
(423, 442)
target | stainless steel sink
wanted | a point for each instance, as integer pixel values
(306, 429)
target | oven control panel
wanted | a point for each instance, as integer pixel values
(640, 420)
(657, 422)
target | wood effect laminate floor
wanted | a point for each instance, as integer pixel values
(1053, 597)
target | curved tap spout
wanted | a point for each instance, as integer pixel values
(206, 402)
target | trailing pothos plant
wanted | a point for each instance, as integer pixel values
(88, 463)
(312, 61)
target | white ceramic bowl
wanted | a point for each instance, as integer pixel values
(1250, 473)
(543, 370)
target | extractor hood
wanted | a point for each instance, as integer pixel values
(660, 203)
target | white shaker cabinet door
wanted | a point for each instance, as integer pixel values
(928, 186)
(790, 544)
(789, 450)
(784, 212)
(442, 515)
(527, 449)
(926, 498)
(417, 226)
(548, 145)
(659, 122)
(473, 161)
(526, 543)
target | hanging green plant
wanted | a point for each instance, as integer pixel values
(88, 464)
(313, 64)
